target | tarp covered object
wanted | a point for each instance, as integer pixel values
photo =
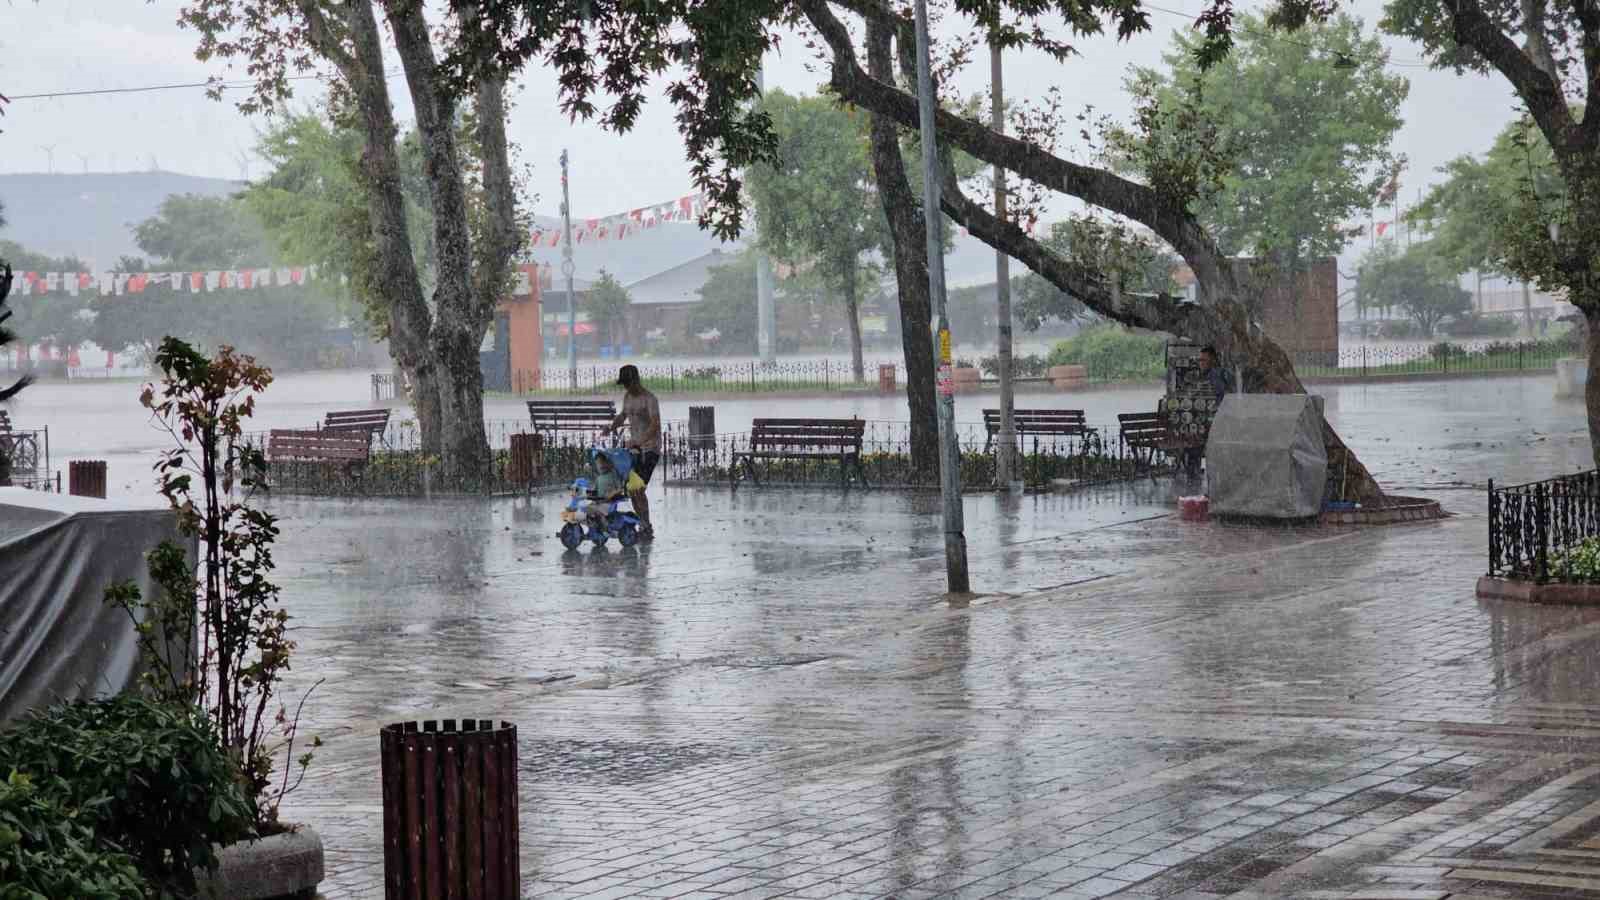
(1265, 457)
(58, 554)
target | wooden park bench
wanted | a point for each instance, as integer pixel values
(571, 415)
(777, 439)
(371, 422)
(347, 448)
(1146, 434)
(1060, 422)
(5, 420)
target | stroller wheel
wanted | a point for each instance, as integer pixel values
(571, 536)
(627, 535)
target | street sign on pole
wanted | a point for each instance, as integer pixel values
(955, 539)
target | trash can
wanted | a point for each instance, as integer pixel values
(702, 427)
(886, 378)
(87, 478)
(527, 452)
(450, 810)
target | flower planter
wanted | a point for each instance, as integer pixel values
(288, 864)
(967, 379)
(1068, 378)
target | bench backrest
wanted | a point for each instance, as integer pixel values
(1039, 421)
(5, 420)
(372, 421)
(1145, 426)
(322, 445)
(768, 434)
(571, 415)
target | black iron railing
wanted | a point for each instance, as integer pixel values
(1533, 526)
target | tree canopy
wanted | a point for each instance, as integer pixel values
(1295, 135)
(607, 305)
(1417, 280)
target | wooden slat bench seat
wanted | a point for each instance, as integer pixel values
(777, 439)
(1060, 422)
(571, 415)
(372, 422)
(5, 420)
(350, 448)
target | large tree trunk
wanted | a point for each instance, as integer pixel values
(910, 267)
(1220, 319)
(853, 313)
(460, 322)
(394, 269)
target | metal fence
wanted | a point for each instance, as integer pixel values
(1532, 527)
(746, 376)
(1442, 358)
(886, 462)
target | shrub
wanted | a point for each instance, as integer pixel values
(148, 777)
(1444, 350)
(1025, 366)
(1113, 353)
(707, 373)
(47, 851)
(1399, 330)
(1580, 562)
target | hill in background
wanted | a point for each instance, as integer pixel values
(91, 215)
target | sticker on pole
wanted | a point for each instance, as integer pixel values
(946, 380)
(944, 347)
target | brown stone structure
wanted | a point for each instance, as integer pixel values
(1303, 321)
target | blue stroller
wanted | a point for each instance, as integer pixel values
(589, 516)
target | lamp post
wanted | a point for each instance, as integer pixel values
(955, 539)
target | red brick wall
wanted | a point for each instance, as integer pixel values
(1305, 322)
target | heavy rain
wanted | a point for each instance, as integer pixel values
(544, 450)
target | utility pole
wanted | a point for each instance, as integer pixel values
(567, 268)
(50, 157)
(955, 539)
(1006, 452)
(766, 309)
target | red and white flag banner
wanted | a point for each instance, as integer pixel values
(118, 283)
(616, 227)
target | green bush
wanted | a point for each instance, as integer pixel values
(47, 850)
(148, 778)
(1444, 350)
(1113, 353)
(1024, 366)
(1580, 562)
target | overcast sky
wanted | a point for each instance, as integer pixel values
(72, 45)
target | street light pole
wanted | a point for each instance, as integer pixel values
(766, 309)
(955, 540)
(1006, 453)
(567, 268)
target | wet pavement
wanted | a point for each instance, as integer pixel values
(775, 699)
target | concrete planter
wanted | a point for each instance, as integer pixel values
(967, 379)
(278, 866)
(1555, 592)
(1067, 378)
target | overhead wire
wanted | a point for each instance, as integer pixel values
(236, 84)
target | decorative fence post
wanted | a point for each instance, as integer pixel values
(1494, 531)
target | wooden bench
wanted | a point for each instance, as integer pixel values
(372, 422)
(1146, 434)
(5, 420)
(571, 415)
(1062, 422)
(773, 439)
(350, 448)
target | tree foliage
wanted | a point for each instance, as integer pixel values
(607, 304)
(728, 304)
(1418, 280)
(1130, 257)
(1281, 141)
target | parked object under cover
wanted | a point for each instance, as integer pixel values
(1265, 457)
(59, 640)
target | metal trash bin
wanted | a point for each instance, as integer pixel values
(450, 810)
(702, 427)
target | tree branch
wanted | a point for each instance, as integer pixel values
(326, 40)
(1097, 187)
(1473, 28)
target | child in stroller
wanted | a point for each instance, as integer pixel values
(592, 512)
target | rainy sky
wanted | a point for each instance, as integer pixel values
(74, 45)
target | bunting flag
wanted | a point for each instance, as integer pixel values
(622, 225)
(1382, 227)
(119, 283)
